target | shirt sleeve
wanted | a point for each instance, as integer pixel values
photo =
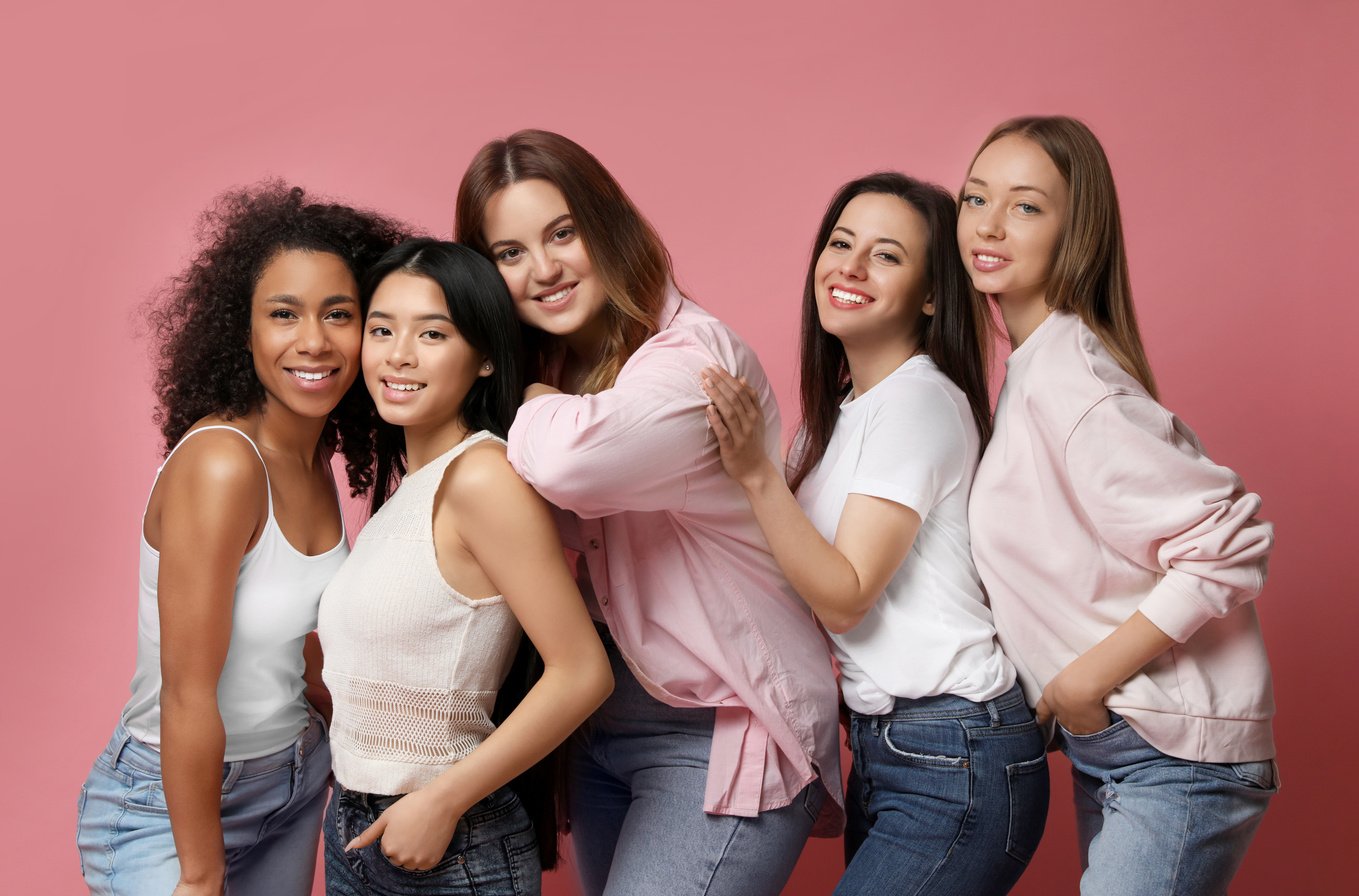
(630, 447)
(1143, 480)
(914, 449)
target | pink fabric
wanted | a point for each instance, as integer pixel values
(1093, 502)
(683, 575)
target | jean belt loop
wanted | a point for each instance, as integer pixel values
(231, 772)
(993, 711)
(121, 739)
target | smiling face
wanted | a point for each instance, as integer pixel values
(416, 364)
(871, 278)
(538, 250)
(1010, 222)
(304, 332)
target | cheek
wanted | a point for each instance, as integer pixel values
(516, 282)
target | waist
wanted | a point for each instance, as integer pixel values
(125, 746)
(1008, 708)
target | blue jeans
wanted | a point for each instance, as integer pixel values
(271, 819)
(1149, 823)
(945, 796)
(638, 772)
(493, 851)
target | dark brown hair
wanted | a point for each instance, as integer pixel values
(1090, 269)
(957, 336)
(625, 250)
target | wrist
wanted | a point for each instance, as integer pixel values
(760, 477)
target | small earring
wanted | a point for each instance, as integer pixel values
(486, 367)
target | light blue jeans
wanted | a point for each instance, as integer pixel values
(1149, 823)
(638, 771)
(271, 819)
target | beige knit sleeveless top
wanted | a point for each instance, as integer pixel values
(413, 666)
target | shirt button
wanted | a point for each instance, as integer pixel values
(604, 601)
(594, 543)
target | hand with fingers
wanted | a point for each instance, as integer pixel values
(738, 422)
(414, 832)
(1076, 701)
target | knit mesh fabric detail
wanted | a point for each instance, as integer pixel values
(426, 726)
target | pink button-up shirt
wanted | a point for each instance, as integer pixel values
(683, 576)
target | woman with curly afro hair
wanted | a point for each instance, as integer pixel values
(217, 770)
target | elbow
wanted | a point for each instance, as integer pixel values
(840, 622)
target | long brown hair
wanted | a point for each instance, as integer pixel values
(1090, 270)
(624, 249)
(957, 336)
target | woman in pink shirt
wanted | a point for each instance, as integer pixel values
(716, 755)
(1120, 561)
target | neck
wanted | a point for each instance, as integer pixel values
(282, 432)
(1022, 315)
(871, 364)
(425, 443)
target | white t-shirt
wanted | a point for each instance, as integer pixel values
(911, 440)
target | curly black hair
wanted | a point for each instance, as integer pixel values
(201, 319)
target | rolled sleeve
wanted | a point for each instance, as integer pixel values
(1151, 494)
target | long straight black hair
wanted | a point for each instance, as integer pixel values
(957, 337)
(483, 312)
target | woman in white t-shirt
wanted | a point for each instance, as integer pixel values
(949, 787)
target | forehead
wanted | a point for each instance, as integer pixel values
(873, 215)
(527, 205)
(300, 273)
(1014, 160)
(402, 292)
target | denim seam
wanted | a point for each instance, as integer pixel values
(722, 857)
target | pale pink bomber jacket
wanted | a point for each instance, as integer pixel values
(682, 573)
(1093, 501)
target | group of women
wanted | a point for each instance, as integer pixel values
(559, 444)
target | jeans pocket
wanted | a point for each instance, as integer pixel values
(1260, 775)
(1029, 792)
(812, 799)
(1116, 725)
(915, 758)
(148, 797)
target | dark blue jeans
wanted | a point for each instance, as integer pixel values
(493, 851)
(946, 796)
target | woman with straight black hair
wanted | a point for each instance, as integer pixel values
(949, 787)
(422, 623)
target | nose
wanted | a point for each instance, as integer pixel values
(546, 268)
(852, 266)
(990, 224)
(402, 352)
(312, 338)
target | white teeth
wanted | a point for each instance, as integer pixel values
(308, 375)
(556, 296)
(405, 387)
(852, 298)
(989, 259)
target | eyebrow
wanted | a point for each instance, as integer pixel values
(881, 239)
(439, 317)
(1015, 189)
(294, 302)
(550, 225)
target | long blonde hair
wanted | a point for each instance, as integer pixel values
(626, 252)
(1090, 270)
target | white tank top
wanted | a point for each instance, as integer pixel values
(413, 666)
(259, 693)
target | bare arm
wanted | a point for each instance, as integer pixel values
(211, 509)
(510, 532)
(842, 581)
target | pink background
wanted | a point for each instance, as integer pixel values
(1231, 130)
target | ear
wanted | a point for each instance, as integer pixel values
(486, 369)
(927, 309)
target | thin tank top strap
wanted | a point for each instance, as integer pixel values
(268, 486)
(457, 450)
